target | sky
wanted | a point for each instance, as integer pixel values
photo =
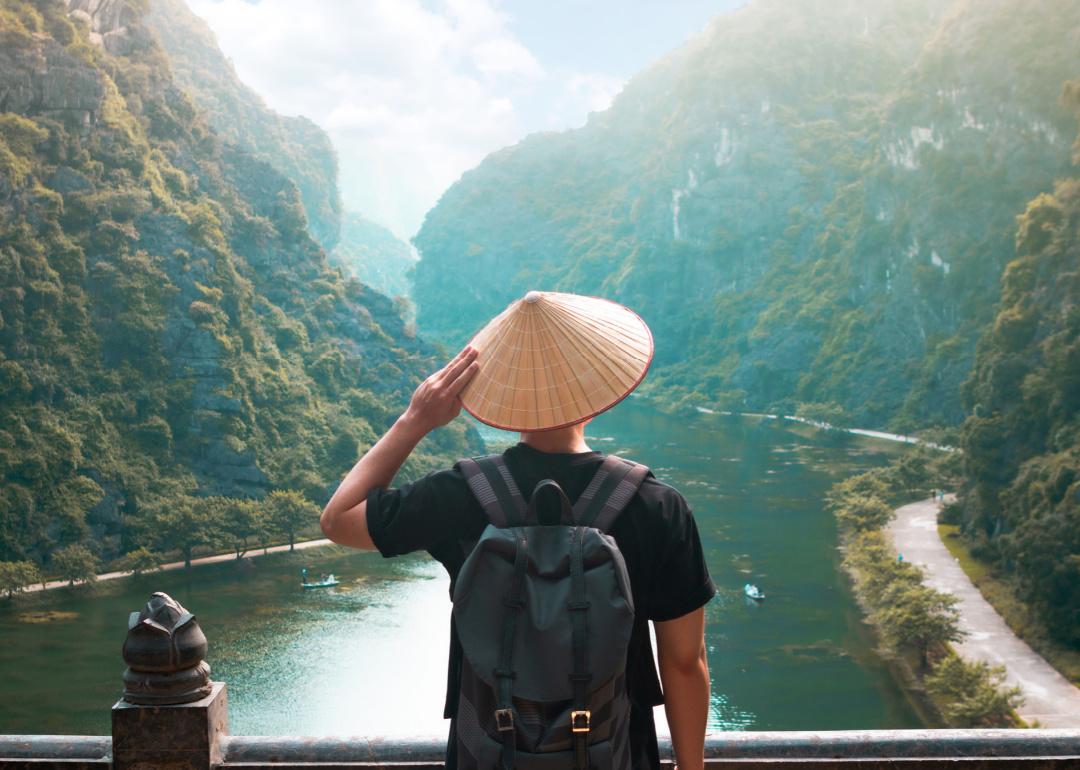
(415, 92)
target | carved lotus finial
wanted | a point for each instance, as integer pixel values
(164, 650)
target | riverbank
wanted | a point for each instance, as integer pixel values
(214, 559)
(1049, 698)
(897, 437)
(293, 657)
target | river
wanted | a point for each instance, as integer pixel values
(369, 656)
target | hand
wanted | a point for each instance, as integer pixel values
(435, 402)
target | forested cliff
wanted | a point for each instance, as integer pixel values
(295, 146)
(1022, 438)
(811, 203)
(168, 325)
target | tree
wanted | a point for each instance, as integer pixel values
(289, 511)
(829, 413)
(919, 617)
(184, 522)
(75, 563)
(911, 471)
(874, 483)
(973, 694)
(17, 575)
(140, 560)
(69, 504)
(238, 521)
(887, 576)
(860, 513)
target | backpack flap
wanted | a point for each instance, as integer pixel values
(543, 633)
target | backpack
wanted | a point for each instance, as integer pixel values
(544, 613)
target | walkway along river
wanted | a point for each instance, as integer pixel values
(1049, 697)
(369, 656)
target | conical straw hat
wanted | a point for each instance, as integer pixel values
(550, 360)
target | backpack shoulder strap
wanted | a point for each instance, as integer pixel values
(491, 483)
(610, 491)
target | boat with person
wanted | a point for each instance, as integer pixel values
(326, 580)
(753, 592)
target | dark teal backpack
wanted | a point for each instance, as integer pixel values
(544, 613)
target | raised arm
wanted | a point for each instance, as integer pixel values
(434, 404)
(684, 673)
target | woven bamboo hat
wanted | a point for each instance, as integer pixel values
(551, 360)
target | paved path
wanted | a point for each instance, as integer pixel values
(230, 556)
(1048, 696)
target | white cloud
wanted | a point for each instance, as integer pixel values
(412, 95)
(505, 57)
(595, 92)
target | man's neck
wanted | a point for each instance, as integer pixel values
(560, 441)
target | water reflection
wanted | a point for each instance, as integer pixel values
(368, 656)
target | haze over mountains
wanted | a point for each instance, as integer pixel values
(811, 203)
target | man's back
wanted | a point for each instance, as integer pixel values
(544, 367)
(656, 535)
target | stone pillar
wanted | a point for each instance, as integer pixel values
(171, 717)
(185, 736)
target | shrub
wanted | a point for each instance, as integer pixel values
(75, 563)
(973, 694)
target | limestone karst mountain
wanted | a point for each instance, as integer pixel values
(169, 326)
(1022, 436)
(294, 146)
(811, 203)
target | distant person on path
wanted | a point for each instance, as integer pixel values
(543, 368)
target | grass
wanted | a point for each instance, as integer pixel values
(1016, 614)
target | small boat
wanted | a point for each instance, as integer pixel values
(324, 581)
(753, 592)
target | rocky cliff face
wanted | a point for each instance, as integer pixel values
(106, 21)
(294, 146)
(809, 203)
(374, 255)
(167, 324)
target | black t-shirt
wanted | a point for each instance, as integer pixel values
(656, 534)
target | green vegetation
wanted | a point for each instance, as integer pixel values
(75, 563)
(860, 513)
(289, 512)
(994, 584)
(977, 571)
(911, 617)
(815, 208)
(139, 561)
(171, 336)
(974, 694)
(17, 575)
(810, 204)
(293, 146)
(241, 522)
(1021, 507)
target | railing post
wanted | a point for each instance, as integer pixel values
(171, 716)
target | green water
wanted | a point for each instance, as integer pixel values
(368, 657)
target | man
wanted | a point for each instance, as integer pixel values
(545, 367)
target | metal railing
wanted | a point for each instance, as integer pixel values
(830, 750)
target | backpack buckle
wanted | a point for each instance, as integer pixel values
(504, 720)
(579, 721)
